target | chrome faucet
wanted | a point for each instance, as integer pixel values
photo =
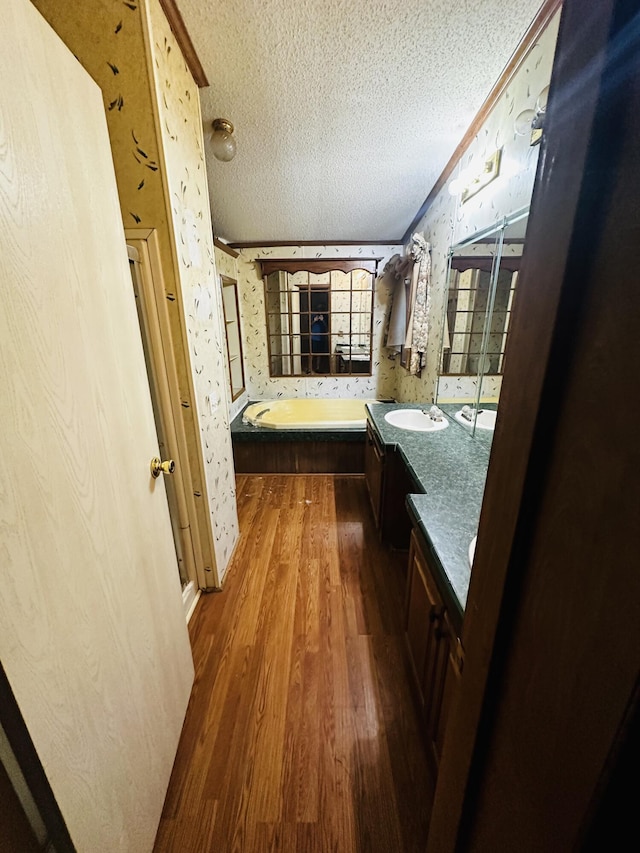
(434, 413)
(469, 413)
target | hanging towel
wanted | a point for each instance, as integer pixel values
(418, 327)
(395, 273)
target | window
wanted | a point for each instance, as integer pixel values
(234, 341)
(319, 315)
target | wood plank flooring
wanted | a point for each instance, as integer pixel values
(301, 734)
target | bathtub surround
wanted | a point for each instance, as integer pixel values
(152, 108)
(331, 441)
(310, 414)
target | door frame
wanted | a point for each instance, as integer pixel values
(162, 358)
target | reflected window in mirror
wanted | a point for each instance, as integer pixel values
(470, 297)
(319, 316)
(481, 293)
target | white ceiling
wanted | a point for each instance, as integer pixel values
(345, 111)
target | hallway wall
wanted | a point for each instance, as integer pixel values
(153, 115)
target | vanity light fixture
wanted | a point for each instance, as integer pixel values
(467, 185)
(223, 143)
(457, 185)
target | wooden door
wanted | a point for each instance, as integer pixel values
(92, 632)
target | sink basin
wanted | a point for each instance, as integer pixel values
(472, 550)
(415, 419)
(486, 419)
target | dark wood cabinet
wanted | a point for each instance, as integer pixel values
(388, 483)
(374, 462)
(396, 525)
(434, 648)
(435, 651)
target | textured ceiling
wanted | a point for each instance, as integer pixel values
(345, 111)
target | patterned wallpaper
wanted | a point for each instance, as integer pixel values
(181, 128)
(448, 221)
(109, 37)
(260, 386)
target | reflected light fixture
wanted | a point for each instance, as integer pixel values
(532, 121)
(468, 183)
(223, 143)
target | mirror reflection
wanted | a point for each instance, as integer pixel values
(469, 292)
(319, 322)
(481, 288)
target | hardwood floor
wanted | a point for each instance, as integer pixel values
(301, 734)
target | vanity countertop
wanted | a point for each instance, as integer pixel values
(451, 467)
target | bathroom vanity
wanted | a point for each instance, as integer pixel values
(442, 474)
(434, 645)
(388, 483)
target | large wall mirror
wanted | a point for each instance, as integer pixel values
(319, 315)
(481, 287)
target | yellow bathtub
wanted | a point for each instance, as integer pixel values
(307, 413)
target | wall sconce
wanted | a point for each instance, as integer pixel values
(533, 120)
(467, 185)
(223, 143)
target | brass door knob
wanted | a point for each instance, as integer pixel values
(158, 467)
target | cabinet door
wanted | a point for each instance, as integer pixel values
(396, 525)
(374, 472)
(452, 676)
(435, 663)
(423, 612)
(433, 647)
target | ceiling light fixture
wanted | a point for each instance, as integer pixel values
(223, 143)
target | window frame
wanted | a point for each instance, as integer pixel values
(319, 266)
